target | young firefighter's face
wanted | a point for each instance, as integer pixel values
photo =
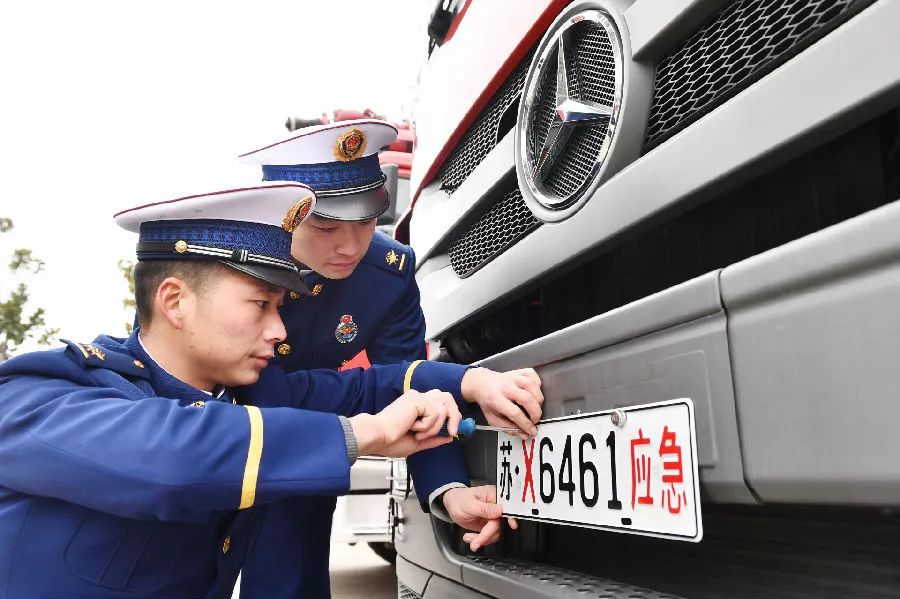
(231, 328)
(332, 248)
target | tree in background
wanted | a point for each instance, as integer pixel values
(126, 267)
(15, 327)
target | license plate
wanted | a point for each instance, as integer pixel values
(630, 470)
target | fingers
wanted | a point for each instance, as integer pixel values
(526, 400)
(534, 389)
(454, 417)
(488, 511)
(490, 533)
(511, 411)
(530, 373)
(513, 523)
(440, 409)
(487, 493)
(434, 415)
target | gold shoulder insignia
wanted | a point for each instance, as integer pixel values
(95, 351)
(395, 259)
(87, 350)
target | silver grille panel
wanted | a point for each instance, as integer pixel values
(745, 40)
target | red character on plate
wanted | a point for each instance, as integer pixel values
(640, 469)
(529, 479)
(672, 466)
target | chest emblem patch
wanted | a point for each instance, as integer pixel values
(346, 329)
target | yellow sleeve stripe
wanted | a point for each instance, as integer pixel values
(402, 260)
(407, 379)
(84, 351)
(254, 455)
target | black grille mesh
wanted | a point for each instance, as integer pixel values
(482, 137)
(591, 66)
(552, 581)
(404, 592)
(508, 221)
(744, 41)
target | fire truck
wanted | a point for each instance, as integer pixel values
(683, 214)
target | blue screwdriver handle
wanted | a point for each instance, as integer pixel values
(466, 428)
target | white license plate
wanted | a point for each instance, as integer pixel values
(639, 476)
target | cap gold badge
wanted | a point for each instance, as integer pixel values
(181, 246)
(350, 145)
(296, 214)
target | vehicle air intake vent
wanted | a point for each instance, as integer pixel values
(508, 221)
(484, 134)
(745, 41)
(404, 592)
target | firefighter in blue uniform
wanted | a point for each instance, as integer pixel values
(363, 296)
(130, 469)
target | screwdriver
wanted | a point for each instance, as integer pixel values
(468, 427)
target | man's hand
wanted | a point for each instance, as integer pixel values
(409, 424)
(499, 394)
(476, 509)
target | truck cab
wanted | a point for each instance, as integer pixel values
(649, 201)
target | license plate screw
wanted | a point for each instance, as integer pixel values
(618, 418)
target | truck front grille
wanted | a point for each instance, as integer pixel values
(745, 41)
(507, 221)
(485, 133)
(404, 592)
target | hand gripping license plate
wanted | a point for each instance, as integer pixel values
(632, 470)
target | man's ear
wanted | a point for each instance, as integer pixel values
(171, 300)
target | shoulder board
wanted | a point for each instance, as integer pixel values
(389, 254)
(90, 355)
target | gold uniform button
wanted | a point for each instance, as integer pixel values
(226, 546)
(317, 288)
(181, 246)
(138, 363)
(284, 349)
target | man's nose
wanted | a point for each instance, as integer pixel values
(349, 244)
(275, 330)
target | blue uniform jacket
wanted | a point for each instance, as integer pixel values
(118, 480)
(381, 298)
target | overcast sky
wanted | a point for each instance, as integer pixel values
(110, 104)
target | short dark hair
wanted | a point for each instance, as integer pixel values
(149, 275)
